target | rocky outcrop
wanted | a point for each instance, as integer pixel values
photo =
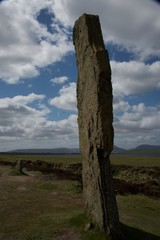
(94, 96)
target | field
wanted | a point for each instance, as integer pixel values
(129, 161)
(47, 206)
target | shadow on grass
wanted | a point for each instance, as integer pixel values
(131, 233)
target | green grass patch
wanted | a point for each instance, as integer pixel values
(34, 208)
(140, 212)
(60, 186)
(136, 161)
(138, 216)
(80, 222)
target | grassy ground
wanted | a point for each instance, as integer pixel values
(36, 206)
(119, 160)
(141, 212)
(138, 161)
(40, 207)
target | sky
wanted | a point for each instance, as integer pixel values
(38, 71)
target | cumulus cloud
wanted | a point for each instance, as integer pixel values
(17, 118)
(20, 122)
(66, 99)
(139, 117)
(59, 80)
(20, 100)
(135, 124)
(25, 44)
(134, 77)
(120, 106)
(135, 25)
(139, 125)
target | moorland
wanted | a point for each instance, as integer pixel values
(46, 200)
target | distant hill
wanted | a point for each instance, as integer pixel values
(145, 147)
(48, 151)
(56, 150)
(68, 151)
(118, 149)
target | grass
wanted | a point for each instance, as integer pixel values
(65, 161)
(138, 215)
(140, 212)
(125, 160)
(80, 221)
(35, 208)
(60, 186)
(138, 161)
(40, 207)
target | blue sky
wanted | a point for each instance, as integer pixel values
(38, 71)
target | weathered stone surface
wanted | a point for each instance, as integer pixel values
(94, 96)
(19, 166)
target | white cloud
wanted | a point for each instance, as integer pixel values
(139, 125)
(139, 117)
(134, 77)
(21, 123)
(66, 99)
(59, 80)
(136, 122)
(18, 118)
(20, 100)
(133, 24)
(25, 44)
(120, 106)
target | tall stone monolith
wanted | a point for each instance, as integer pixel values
(94, 96)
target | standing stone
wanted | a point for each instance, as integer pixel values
(19, 166)
(94, 95)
